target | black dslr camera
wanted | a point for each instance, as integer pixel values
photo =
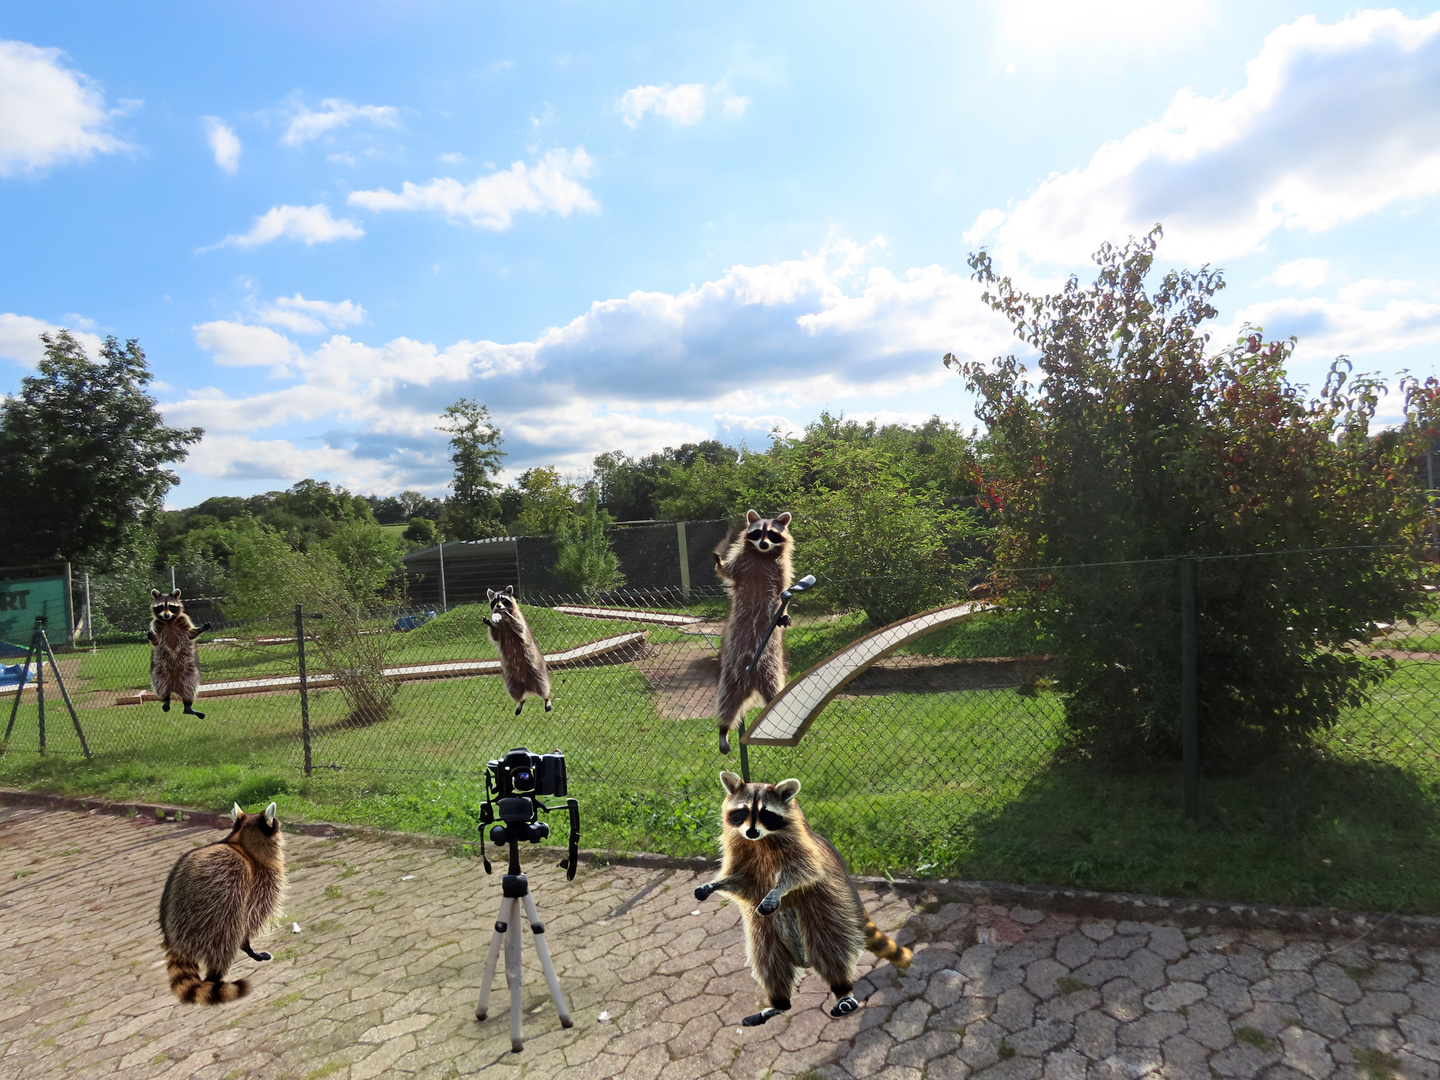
(515, 784)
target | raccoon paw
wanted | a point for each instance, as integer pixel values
(165, 705)
(770, 904)
(191, 712)
(519, 707)
(724, 744)
(703, 892)
(548, 706)
(845, 1006)
(784, 621)
(756, 1019)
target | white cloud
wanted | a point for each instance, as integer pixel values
(1307, 273)
(552, 185)
(48, 113)
(224, 143)
(736, 427)
(1334, 122)
(748, 350)
(312, 224)
(310, 316)
(334, 113)
(20, 337)
(683, 105)
(239, 345)
(1327, 328)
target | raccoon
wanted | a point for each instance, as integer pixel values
(522, 664)
(174, 664)
(798, 904)
(755, 567)
(216, 898)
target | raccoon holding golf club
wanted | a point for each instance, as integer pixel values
(798, 905)
(522, 664)
(174, 661)
(755, 567)
(216, 899)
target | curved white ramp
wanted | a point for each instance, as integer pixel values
(784, 720)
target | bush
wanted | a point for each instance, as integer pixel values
(585, 561)
(1134, 444)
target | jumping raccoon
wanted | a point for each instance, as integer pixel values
(756, 569)
(799, 907)
(522, 664)
(216, 898)
(174, 664)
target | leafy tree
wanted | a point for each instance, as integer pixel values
(1138, 443)
(369, 558)
(421, 532)
(879, 540)
(473, 510)
(402, 508)
(85, 453)
(546, 502)
(628, 487)
(585, 560)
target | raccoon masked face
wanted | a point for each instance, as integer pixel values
(501, 603)
(757, 810)
(166, 606)
(766, 535)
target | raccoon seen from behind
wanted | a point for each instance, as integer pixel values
(522, 664)
(755, 567)
(174, 663)
(796, 900)
(216, 899)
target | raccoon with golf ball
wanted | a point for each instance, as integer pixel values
(522, 664)
(796, 899)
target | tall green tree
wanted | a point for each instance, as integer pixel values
(547, 502)
(85, 455)
(585, 561)
(473, 509)
(1136, 441)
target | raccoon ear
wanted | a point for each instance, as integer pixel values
(270, 812)
(175, 593)
(751, 517)
(787, 789)
(236, 813)
(783, 519)
(155, 594)
(731, 782)
(509, 590)
(489, 594)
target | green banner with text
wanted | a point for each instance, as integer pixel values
(22, 599)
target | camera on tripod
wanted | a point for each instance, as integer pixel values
(520, 780)
(515, 784)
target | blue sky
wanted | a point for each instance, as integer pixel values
(631, 226)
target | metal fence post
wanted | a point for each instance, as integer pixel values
(304, 689)
(1189, 704)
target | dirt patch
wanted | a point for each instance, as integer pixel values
(683, 676)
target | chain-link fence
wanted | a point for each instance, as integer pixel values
(905, 753)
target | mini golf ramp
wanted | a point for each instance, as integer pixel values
(785, 720)
(445, 669)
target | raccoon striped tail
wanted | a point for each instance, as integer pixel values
(884, 946)
(187, 985)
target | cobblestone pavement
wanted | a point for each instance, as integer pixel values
(382, 975)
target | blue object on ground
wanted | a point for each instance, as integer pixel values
(410, 622)
(10, 674)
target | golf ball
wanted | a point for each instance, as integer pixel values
(495, 618)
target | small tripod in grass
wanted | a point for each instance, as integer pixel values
(38, 652)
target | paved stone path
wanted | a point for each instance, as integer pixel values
(382, 976)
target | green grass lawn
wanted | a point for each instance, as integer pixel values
(939, 784)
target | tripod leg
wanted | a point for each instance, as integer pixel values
(40, 690)
(65, 694)
(512, 976)
(538, 929)
(506, 918)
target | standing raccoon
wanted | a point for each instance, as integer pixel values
(522, 664)
(174, 663)
(798, 904)
(216, 899)
(756, 570)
